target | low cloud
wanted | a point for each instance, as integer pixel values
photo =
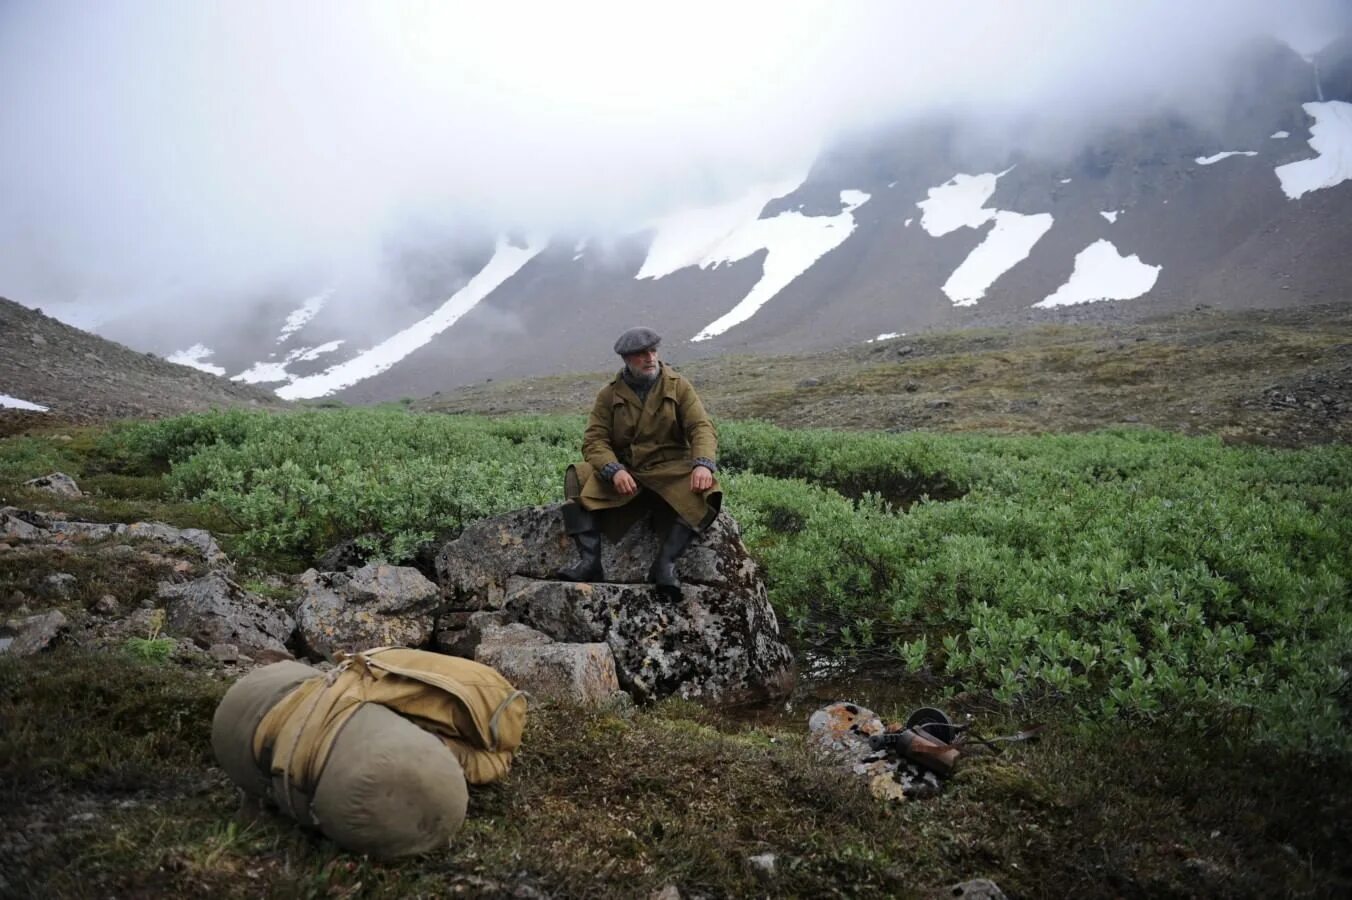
(164, 156)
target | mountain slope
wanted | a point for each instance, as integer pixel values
(79, 376)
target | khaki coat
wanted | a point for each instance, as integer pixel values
(656, 441)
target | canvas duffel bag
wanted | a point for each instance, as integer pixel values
(375, 753)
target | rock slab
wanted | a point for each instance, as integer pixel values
(535, 663)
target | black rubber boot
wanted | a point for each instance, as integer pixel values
(587, 536)
(663, 571)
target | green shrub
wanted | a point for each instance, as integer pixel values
(1123, 574)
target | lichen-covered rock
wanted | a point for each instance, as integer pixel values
(584, 673)
(374, 606)
(713, 645)
(214, 610)
(473, 569)
(24, 637)
(56, 483)
(719, 643)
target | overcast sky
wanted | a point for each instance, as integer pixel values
(155, 151)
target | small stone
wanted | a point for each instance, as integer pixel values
(106, 605)
(976, 889)
(911, 387)
(226, 653)
(762, 864)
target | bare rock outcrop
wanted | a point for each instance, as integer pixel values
(720, 643)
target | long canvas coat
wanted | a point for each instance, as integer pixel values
(656, 441)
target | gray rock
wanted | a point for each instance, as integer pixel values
(976, 889)
(59, 586)
(720, 643)
(474, 568)
(459, 633)
(374, 606)
(12, 527)
(214, 610)
(762, 865)
(226, 653)
(583, 673)
(106, 606)
(88, 531)
(24, 637)
(196, 538)
(57, 483)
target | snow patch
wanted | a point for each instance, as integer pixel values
(8, 402)
(693, 237)
(907, 223)
(302, 315)
(272, 372)
(196, 356)
(885, 336)
(1331, 137)
(507, 261)
(264, 373)
(794, 242)
(1281, 135)
(1101, 273)
(959, 203)
(1224, 154)
(1065, 181)
(1111, 215)
(1009, 242)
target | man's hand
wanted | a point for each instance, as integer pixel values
(701, 479)
(624, 483)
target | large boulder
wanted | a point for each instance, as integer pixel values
(374, 606)
(719, 643)
(214, 610)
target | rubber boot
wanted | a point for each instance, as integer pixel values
(581, 525)
(663, 571)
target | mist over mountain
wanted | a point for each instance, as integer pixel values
(380, 202)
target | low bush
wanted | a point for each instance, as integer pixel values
(1124, 573)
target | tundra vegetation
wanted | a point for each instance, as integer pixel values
(1177, 608)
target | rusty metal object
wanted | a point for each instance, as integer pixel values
(926, 752)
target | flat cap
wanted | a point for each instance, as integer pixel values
(636, 339)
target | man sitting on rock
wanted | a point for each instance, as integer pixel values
(649, 447)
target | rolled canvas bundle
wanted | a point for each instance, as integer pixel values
(377, 752)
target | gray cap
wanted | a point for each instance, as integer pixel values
(636, 339)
